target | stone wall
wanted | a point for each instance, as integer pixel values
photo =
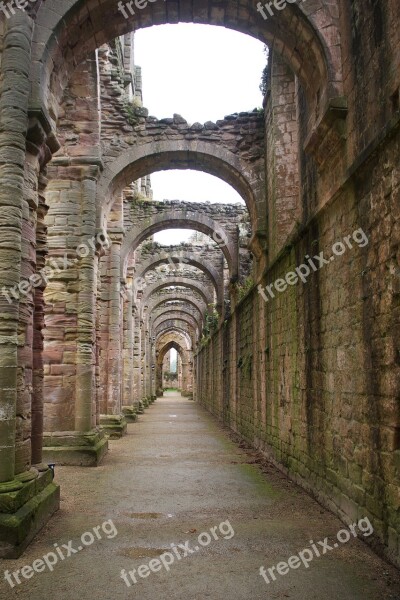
(311, 376)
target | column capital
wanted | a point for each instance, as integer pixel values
(116, 234)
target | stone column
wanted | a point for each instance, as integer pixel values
(128, 408)
(194, 376)
(146, 364)
(152, 373)
(85, 409)
(159, 377)
(71, 433)
(187, 374)
(234, 279)
(179, 371)
(38, 324)
(185, 369)
(12, 158)
(137, 358)
(190, 375)
(152, 365)
(113, 422)
(27, 497)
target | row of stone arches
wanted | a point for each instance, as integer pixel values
(82, 348)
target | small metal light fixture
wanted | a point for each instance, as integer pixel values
(52, 466)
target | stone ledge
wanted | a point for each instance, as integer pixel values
(76, 449)
(72, 438)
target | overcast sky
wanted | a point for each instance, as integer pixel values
(202, 73)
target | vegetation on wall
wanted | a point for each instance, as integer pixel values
(264, 83)
(245, 287)
(210, 325)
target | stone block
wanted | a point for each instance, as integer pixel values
(130, 414)
(75, 448)
(18, 528)
(115, 426)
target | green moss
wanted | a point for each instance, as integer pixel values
(256, 477)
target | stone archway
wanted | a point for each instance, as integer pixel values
(167, 313)
(191, 259)
(215, 157)
(308, 40)
(178, 282)
(166, 340)
(178, 323)
(187, 301)
(184, 219)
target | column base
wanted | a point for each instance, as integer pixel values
(26, 504)
(74, 448)
(130, 413)
(140, 409)
(115, 426)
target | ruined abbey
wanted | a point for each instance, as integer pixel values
(284, 311)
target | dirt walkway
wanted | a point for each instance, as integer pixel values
(177, 478)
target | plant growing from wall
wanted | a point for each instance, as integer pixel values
(130, 112)
(264, 84)
(210, 325)
(245, 287)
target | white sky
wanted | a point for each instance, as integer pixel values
(202, 73)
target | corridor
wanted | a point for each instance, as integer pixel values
(175, 476)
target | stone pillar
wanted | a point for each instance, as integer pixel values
(113, 421)
(27, 497)
(159, 377)
(128, 408)
(190, 375)
(85, 408)
(185, 383)
(38, 324)
(187, 374)
(179, 371)
(146, 364)
(234, 279)
(150, 365)
(143, 359)
(194, 375)
(153, 394)
(137, 359)
(71, 433)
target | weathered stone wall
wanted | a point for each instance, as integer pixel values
(282, 128)
(314, 372)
